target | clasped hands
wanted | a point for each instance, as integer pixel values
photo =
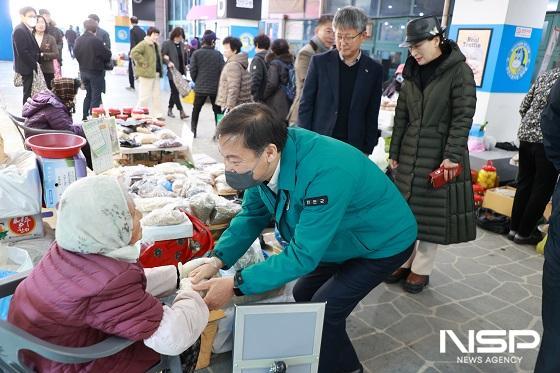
(198, 275)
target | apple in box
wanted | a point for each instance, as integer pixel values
(21, 228)
(58, 174)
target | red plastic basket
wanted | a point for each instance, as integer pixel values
(55, 145)
(171, 252)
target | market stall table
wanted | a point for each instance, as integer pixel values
(131, 154)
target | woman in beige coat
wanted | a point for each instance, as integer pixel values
(235, 81)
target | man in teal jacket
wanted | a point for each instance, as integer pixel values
(347, 225)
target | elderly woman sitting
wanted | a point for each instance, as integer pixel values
(89, 286)
(53, 110)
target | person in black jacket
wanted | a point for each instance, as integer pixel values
(259, 66)
(206, 67)
(71, 37)
(92, 55)
(342, 90)
(106, 39)
(100, 33)
(26, 50)
(137, 34)
(174, 56)
(547, 360)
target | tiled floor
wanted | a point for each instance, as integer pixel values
(489, 283)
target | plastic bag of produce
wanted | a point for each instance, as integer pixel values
(224, 210)
(378, 156)
(202, 206)
(167, 215)
(12, 260)
(253, 256)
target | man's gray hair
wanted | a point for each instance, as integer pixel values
(350, 17)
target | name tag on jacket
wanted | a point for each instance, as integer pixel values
(316, 201)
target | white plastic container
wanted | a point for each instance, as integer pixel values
(167, 232)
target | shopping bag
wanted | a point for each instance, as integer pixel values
(189, 98)
(39, 84)
(541, 245)
(57, 69)
(18, 80)
(12, 261)
(180, 82)
(20, 186)
(221, 116)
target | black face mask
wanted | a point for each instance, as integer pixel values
(242, 181)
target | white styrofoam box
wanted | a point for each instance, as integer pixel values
(58, 174)
(167, 232)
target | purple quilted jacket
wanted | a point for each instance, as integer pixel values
(78, 300)
(46, 111)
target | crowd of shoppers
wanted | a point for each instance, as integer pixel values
(333, 88)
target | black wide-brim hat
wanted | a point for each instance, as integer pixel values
(421, 29)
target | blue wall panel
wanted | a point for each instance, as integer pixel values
(511, 59)
(6, 52)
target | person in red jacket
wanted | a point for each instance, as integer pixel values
(90, 286)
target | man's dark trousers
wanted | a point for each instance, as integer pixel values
(94, 82)
(199, 100)
(27, 84)
(130, 73)
(342, 286)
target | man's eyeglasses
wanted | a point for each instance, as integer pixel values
(346, 38)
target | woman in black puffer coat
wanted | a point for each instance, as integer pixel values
(433, 117)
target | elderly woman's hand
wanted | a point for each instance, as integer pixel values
(188, 267)
(206, 271)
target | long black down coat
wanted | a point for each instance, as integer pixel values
(430, 126)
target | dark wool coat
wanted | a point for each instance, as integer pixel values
(277, 76)
(430, 126)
